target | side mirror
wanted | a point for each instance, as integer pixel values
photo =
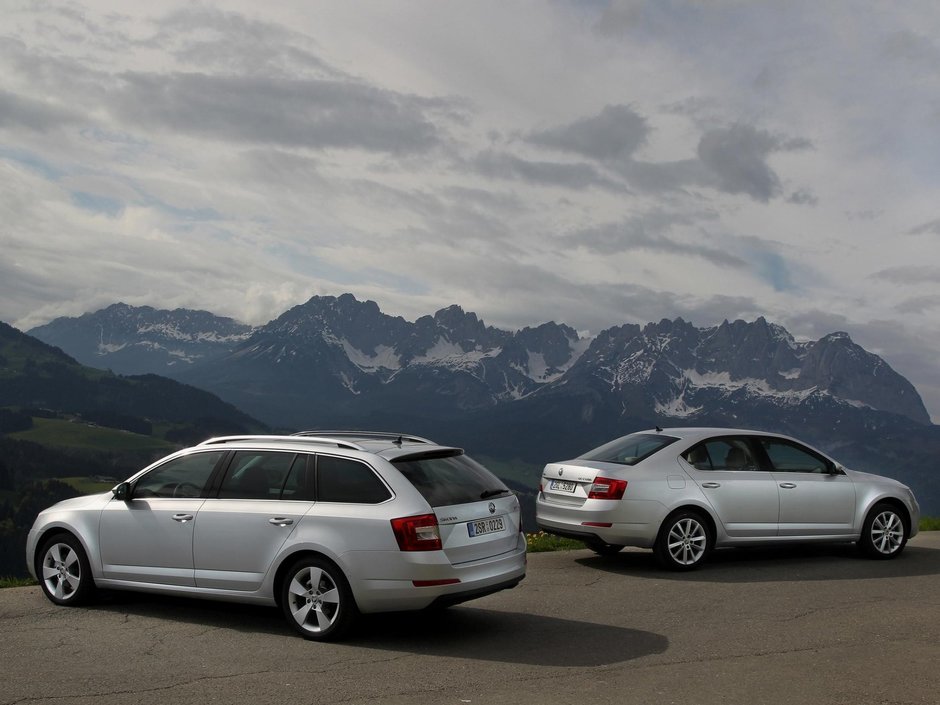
(122, 492)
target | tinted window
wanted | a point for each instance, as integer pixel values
(722, 454)
(256, 475)
(629, 450)
(180, 477)
(301, 481)
(789, 457)
(344, 480)
(450, 479)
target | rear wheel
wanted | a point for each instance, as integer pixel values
(64, 572)
(316, 599)
(884, 533)
(604, 549)
(683, 542)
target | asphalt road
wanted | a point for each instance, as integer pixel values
(815, 626)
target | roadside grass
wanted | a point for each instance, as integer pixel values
(930, 524)
(8, 582)
(541, 542)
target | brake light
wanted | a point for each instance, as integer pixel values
(417, 533)
(607, 488)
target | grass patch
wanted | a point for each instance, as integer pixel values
(7, 582)
(87, 485)
(541, 542)
(930, 523)
(80, 435)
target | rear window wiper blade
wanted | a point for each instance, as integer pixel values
(492, 493)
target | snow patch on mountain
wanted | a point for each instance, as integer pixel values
(385, 357)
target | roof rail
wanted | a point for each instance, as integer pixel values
(367, 435)
(222, 440)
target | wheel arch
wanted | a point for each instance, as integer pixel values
(895, 504)
(710, 522)
(54, 529)
(287, 560)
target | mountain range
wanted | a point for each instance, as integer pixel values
(533, 395)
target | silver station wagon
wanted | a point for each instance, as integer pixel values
(326, 525)
(684, 491)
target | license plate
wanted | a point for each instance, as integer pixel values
(564, 485)
(485, 526)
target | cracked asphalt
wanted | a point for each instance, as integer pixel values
(810, 625)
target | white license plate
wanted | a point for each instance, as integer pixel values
(564, 485)
(485, 526)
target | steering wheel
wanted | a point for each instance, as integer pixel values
(186, 489)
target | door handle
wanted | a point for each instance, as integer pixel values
(280, 521)
(182, 518)
(711, 485)
(788, 485)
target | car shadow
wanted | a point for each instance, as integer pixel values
(776, 564)
(459, 632)
(511, 637)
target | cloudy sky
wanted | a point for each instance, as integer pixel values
(587, 162)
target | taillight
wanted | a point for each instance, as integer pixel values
(607, 488)
(417, 533)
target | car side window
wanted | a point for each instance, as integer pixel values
(181, 477)
(786, 456)
(256, 475)
(301, 483)
(345, 480)
(721, 454)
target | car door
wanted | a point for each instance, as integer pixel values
(816, 498)
(261, 499)
(148, 537)
(742, 493)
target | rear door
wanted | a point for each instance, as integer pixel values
(743, 495)
(260, 501)
(478, 516)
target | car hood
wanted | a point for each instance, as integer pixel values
(859, 476)
(90, 501)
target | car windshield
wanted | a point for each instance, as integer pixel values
(449, 479)
(629, 450)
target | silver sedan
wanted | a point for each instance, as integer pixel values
(684, 491)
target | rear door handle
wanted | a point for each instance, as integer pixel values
(788, 485)
(711, 485)
(280, 521)
(182, 518)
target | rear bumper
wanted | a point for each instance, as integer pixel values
(644, 519)
(395, 590)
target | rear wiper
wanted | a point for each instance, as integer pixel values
(493, 493)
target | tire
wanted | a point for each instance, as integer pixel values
(604, 549)
(884, 533)
(316, 599)
(684, 541)
(64, 572)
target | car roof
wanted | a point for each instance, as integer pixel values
(387, 445)
(694, 433)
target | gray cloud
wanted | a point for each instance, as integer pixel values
(311, 113)
(647, 232)
(575, 176)
(919, 304)
(737, 156)
(803, 197)
(18, 111)
(912, 274)
(932, 227)
(612, 135)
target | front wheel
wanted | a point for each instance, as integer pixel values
(683, 541)
(317, 600)
(64, 572)
(884, 534)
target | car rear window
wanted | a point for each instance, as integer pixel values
(449, 479)
(629, 450)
